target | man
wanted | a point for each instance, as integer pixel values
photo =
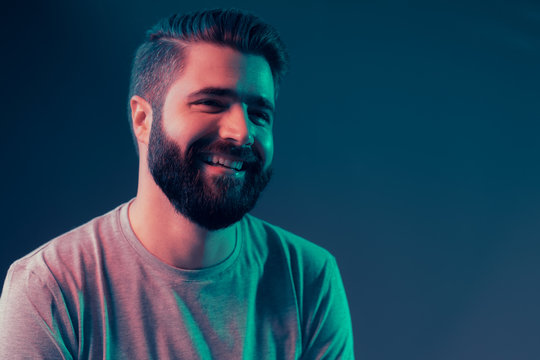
(182, 271)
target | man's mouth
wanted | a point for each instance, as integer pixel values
(218, 160)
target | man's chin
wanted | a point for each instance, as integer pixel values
(214, 219)
(213, 199)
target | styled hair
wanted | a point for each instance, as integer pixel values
(159, 59)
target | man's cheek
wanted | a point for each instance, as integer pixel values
(266, 150)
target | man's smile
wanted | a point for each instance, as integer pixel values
(221, 164)
(224, 161)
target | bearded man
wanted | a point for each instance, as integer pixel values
(182, 271)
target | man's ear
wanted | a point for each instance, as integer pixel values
(141, 118)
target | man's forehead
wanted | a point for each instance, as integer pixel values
(207, 65)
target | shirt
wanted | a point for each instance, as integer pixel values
(96, 292)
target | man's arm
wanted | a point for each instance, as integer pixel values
(327, 323)
(32, 325)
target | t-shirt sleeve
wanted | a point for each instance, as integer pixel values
(33, 318)
(328, 328)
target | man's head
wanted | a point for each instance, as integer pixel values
(160, 59)
(206, 83)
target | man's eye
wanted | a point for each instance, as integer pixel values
(259, 116)
(210, 105)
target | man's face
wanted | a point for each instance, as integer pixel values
(211, 147)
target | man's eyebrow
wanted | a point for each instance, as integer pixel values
(257, 100)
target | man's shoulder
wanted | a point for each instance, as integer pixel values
(293, 247)
(69, 250)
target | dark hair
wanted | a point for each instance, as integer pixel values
(159, 59)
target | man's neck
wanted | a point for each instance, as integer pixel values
(173, 238)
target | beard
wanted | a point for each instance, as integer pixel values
(212, 202)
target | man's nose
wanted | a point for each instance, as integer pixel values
(235, 126)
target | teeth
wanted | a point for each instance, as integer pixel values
(217, 160)
(236, 165)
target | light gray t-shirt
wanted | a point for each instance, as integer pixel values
(97, 293)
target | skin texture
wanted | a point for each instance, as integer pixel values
(237, 118)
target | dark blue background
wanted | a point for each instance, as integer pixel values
(407, 143)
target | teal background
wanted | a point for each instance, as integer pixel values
(407, 143)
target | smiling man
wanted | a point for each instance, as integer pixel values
(182, 271)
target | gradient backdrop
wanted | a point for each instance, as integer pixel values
(407, 141)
